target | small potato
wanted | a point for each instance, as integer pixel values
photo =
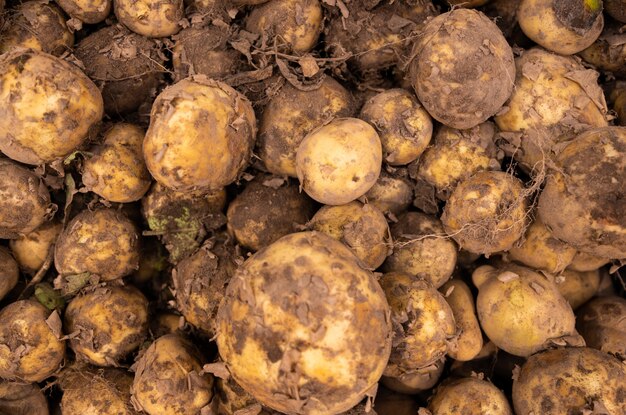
(267, 209)
(470, 339)
(389, 194)
(166, 323)
(404, 127)
(581, 201)
(413, 383)
(469, 396)
(17, 398)
(116, 170)
(87, 11)
(608, 52)
(583, 261)
(31, 251)
(578, 287)
(541, 250)
(602, 323)
(362, 228)
(102, 242)
(24, 200)
(571, 380)
(9, 272)
(294, 23)
(421, 249)
(616, 9)
(564, 27)
(302, 322)
(150, 18)
(175, 365)
(339, 162)
(462, 68)
(423, 323)
(291, 114)
(521, 310)
(182, 220)
(486, 213)
(30, 351)
(37, 24)
(201, 135)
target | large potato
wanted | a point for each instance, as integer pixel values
(30, 351)
(201, 135)
(150, 18)
(469, 396)
(303, 328)
(9, 272)
(602, 323)
(47, 106)
(17, 398)
(339, 162)
(462, 68)
(32, 250)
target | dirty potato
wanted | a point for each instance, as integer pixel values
(616, 9)
(9, 272)
(578, 287)
(150, 18)
(32, 250)
(586, 262)
(390, 194)
(18, 398)
(602, 323)
(302, 322)
(472, 396)
(415, 382)
(87, 11)
(608, 52)
(470, 339)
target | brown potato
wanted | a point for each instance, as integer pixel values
(339, 162)
(469, 342)
(416, 382)
(88, 11)
(390, 194)
(469, 396)
(17, 398)
(578, 287)
(301, 322)
(361, 227)
(47, 106)
(569, 381)
(602, 323)
(616, 9)
(30, 351)
(608, 52)
(103, 242)
(464, 73)
(586, 262)
(9, 272)
(149, 18)
(421, 249)
(31, 251)
(201, 135)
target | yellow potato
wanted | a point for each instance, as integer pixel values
(166, 323)
(339, 162)
(17, 398)
(602, 323)
(469, 396)
(9, 272)
(30, 351)
(583, 261)
(30, 251)
(390, 194)
(578, 287)
(470, 339)
(150, 18)
(415, 382)
(88, 11)
(201, 135)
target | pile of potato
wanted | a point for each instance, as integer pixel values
(312, 207)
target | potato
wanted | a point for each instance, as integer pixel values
(294, 24)
(581, 201)
(291, 114)
(37, 24)
(586, 262)
(463, 69)
(89, 390)
(578, 287)
(116, 170)
(554, 97)
(470, 339)
(421, 249)
(102, 242)
(362, 228)
(487, 212)
(608, 52)
(17, 398)
(200, 280)
(267, 209)
(484, 362)
(569, 381)
(521, 310)
(541, 250)
(9, 272)
(455, 155)
(148, 18)
(564, 27)
(47, 106)
(602, 323)
(201, 135)
(183, 219)
(31, 251)
(471, 396)
(24, 200)
(339, 162)
(415, 382)
(303, 328)
(389, 194)
(404, 127)
(87, 11)
(423, 323)
(30, 351)
(169, 379)
(232, 397)
(616, 9)
(126, 66)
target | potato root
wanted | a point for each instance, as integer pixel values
(32, 250)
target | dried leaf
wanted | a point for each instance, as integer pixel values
(54, 322)
(275, 182)
(309, 66)
(507, 276)
(217, 369)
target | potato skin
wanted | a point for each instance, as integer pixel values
(486, 213)
(29, 350)
(47, 106)
(460, 81)
(30, 251)
(469, 342)
(17, 398)
(201, 135)
(111, 321)
(9, 272)
(24, 200)
(471, 396)
(602, 323)
(581, 201)
(103, 242)
(570, 380)
(87, 11)
(301, 319)
(173, 363)
(339, 162)
(149, 18)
